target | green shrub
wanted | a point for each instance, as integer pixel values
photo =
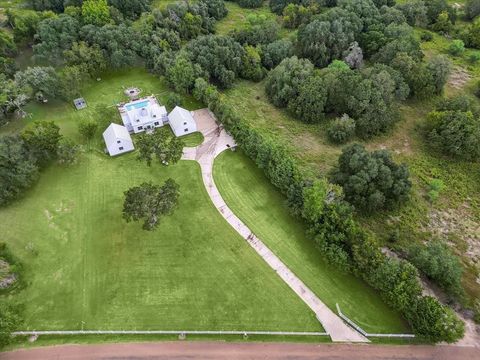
(426, 36)
(436, 186)
(341, 129)
(173, 99)
(476, 311)
(474, 57)
(476, 89)
(456, 47)
(67, 152)
(9, 321)
(88, 128)
(439, 264)
(433, 321)
(455, 133)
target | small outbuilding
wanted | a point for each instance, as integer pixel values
(80, 103)
(181, 121)
(117, 139)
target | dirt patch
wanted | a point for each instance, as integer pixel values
(7, 278)
(48, 214)
(459, 77)
(457, 224)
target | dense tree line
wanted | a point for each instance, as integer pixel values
(351, 31)
(331, 225)
(368, 96)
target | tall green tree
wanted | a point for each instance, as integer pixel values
(41, 140)
(284, 82)
(95, 12)
(18, 169)
(162, 145)
(371, 181)
(42, 81)
(150, 203)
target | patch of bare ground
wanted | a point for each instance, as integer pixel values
(459, 77)
(7, 278)
(457, 224)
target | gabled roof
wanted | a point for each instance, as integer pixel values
(142, 111)
(179, 113)
(114, 132)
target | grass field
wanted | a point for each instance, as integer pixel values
(86, 267)
(249, 194)
(105, 93)
(193, 139)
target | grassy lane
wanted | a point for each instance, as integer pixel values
(86, 267)
(249, 194)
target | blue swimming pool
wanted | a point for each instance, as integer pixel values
(138, 105)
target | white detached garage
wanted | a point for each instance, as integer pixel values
(181, 121)
(117, 139)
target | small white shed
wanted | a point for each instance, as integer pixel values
(181, 121)
(117, 139)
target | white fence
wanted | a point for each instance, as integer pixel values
(166, 332)
(364, 333)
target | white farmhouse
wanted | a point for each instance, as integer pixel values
(143, 114)
(181, 121)
(117, 139)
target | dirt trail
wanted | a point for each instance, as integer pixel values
(242, 351)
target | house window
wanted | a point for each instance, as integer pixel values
(118, 141)
(140, 128)
(156, 123)
(120, 148)
(185, 130)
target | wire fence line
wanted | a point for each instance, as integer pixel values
(166, 332)
(364, 333)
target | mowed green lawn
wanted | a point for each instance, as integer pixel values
(251, 197)
(85, 266)
(104, 93)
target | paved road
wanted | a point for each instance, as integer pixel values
(217, 140)
(242, 351)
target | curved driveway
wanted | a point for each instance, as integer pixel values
(216, 140)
